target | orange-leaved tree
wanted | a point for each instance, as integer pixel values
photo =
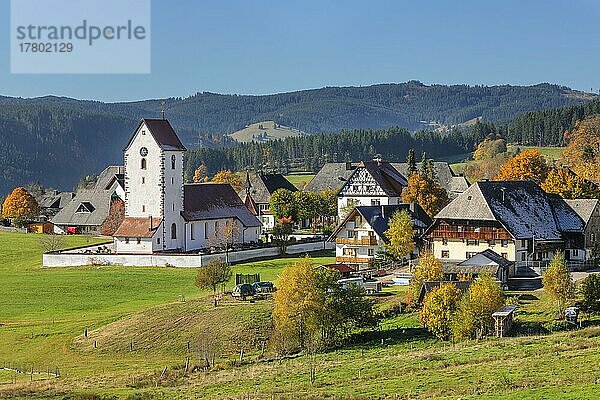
(116, 215)
(226, 176)
(429, 194)
(583, 151)
(20, 205)
(527, 165)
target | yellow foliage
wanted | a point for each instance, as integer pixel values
(569, 185)
(527, 165)
(20, 204)
(439, 308)
(583, 151)
(558, 282)
(489, 149)
(229, 177)
(200, 174)
(400, 234)
(429, 269)
(426, 192)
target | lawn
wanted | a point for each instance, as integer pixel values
(140, 325)
(300, 179)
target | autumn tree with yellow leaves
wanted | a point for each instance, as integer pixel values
(583, 150)
(200, 174)
(527, 165)
(400, 235)
(19, 205)
(568, 185)
(226, 176)
(426, 192)
(439, 310)
(429, 269)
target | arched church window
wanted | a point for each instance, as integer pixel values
(143, 163)
(173, 231)
(173, 161)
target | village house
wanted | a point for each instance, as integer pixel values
(360, 237)
(333, 176)
(487, 261)
(163, 214)
(515, 219)
(372, 183)
(589, 211)
(87, 210)
(257, 194)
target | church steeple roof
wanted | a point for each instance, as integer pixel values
(164, 134)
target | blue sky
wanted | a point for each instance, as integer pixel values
(258, 47)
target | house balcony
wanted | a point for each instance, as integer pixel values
(364, 241)
(353, 260)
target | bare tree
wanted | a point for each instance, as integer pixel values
(208, 345)
(52, 242)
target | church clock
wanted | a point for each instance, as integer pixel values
(143, 152)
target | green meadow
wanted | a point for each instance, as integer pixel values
(126, 333)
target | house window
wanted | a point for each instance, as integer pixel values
(575, 252)
(523, 256)
(85, 207)
(192, 232)
(472, 242)
(157, 240)
(173, 231)
(375, 202)
(349, 252)
(504, 255)
(173, 161)
(504, 243)
(126, 240)
(143, 180)
(206, 230)
(491, 243)
(143, 163)
(351, 234)
(445, 241)
(139, 240)
(523, 242)
(143, 131)
(459, 228)
(445, 253)
(470, 254)
(143, 208)
(371, 252)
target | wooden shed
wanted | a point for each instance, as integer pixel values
(503, 320)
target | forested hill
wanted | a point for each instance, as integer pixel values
(56, 140)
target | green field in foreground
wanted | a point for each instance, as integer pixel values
(140, 326)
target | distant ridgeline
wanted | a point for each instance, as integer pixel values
(56, 140)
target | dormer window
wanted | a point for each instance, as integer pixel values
(173, 161)
(85, 207)
(143, 163)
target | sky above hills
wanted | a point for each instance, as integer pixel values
(259, 47)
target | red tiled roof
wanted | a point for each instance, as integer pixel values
(342, 268)
(137, 227)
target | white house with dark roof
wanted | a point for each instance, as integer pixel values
(163, 214)
(515, 219)
(372, 183)
(257, 194)
(361, 235)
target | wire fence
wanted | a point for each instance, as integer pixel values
(13, 372)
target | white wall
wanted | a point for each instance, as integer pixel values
(366, 201)
(173, 181)
(458, 249)
(77, 258)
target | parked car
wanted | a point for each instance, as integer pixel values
(242, 291)
(263, 287)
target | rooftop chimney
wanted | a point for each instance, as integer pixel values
(378, 158)
(348, 166)
(151, 224)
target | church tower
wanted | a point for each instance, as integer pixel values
(154, 180)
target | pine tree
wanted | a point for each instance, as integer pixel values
(412, 162)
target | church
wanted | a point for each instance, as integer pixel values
(162, 214)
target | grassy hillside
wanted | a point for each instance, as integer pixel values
(140, 327)
(300, 179)
(264, 131)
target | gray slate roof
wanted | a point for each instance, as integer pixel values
(522, 207)
(334, 175)
(204, 201)
(263, 185)
(583, 207)
(486, 257)
(99, 199)
(110, 173)
(331, 177)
